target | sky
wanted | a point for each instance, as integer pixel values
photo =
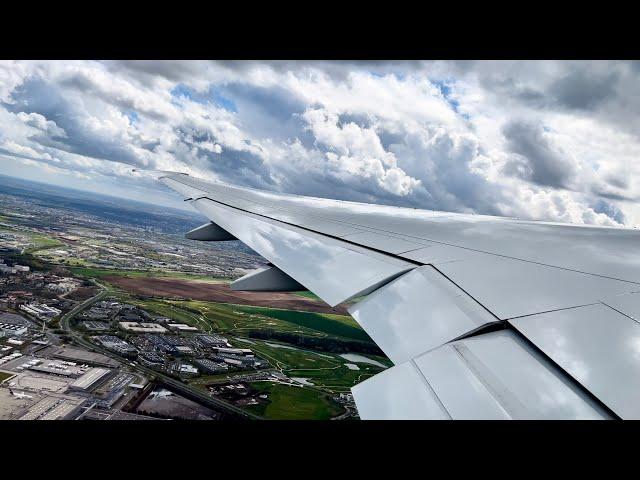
(543, 140)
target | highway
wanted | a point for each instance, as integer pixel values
(179, 387)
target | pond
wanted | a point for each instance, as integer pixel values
(354, 357)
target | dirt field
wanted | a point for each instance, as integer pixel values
(219, 292)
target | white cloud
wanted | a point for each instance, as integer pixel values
(428, 134)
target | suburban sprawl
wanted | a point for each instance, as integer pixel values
(108, 313)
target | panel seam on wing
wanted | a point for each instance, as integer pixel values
(430, 388)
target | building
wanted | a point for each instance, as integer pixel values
(21, 268)
(182, 327)
(68, 353)
(210, 341)
(7, 269)
(91, 379)
(117, 345)
(188, 369)
(6, 317)
(234, 362)
(183, 350)
(151, 360)
(142, 327)
(233, 351)
(41, 311)
(13, 330)
(209, 366)
(246, 361)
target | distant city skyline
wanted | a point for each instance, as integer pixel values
(549, 140)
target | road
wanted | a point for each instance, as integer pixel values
(64, 320)
(179, 387)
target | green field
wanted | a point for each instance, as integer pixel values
(102, 272)
(334, 325)
(294, 403)
(326, 370)
(229, 318)
(67, 261)
(5, 375)
(42, 242)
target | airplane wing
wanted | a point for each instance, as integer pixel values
(483, 317)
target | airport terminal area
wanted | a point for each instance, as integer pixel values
(127, 320)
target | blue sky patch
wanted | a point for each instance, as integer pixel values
(212, 96)
(445, 88)
(132, 115)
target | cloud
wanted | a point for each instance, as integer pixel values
(584, 90)
(536, 158)
(610, 210)
(548, 140)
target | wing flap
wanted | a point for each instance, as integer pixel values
(598, 346)
(399, 393)
(268, 279)
(490, 376)
(416, 312)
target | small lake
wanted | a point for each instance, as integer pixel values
(303, 381)
(277, 345)
(354, 357)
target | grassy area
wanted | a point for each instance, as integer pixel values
(235, 319)
(294, 403)
(42, 242)
(66, 261)
(102, 272)
(285, 357)
(5, 375)
(222, 317)
(334, 325)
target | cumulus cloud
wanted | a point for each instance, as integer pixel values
(548, 140)
(536, 157)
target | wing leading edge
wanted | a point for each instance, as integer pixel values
(474, 328)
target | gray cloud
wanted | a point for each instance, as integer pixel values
(584, 90)
(174, 70)
(610, 210)
(537, 160)
(36, 95)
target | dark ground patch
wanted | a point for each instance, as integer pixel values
(220, 293)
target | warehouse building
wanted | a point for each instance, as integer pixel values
(142, 327)
(90, 380)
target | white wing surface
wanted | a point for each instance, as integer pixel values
(483, 317)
